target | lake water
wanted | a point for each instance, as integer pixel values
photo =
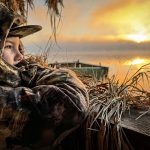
(118, 60)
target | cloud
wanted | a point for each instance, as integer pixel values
(93, 22)
(122, 17)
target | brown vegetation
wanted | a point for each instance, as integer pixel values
(109, 100)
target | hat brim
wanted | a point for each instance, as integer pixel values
(23, 31)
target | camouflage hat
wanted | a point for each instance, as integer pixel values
(22, 31)
(13, 24)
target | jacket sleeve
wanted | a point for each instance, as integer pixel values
(63, 80)
(56, 101)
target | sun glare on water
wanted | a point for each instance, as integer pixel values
(137, 61)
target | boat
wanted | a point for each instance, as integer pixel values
(95, 71)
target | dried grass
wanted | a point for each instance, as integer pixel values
(109, 99)
(41, 60)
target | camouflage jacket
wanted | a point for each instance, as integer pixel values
(40, 106)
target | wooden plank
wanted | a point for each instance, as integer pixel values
(141, 125)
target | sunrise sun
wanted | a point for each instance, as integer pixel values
(137, 37)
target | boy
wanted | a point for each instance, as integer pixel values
(39, 106)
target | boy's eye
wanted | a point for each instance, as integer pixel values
(8, 46)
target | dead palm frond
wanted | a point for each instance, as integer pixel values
(53, 5)
(21, 6)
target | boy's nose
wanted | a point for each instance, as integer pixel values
(18, 57)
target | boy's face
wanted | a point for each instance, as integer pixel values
(13, 51)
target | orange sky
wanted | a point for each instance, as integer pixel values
(98, 20)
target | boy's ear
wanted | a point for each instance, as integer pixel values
(21, 47)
